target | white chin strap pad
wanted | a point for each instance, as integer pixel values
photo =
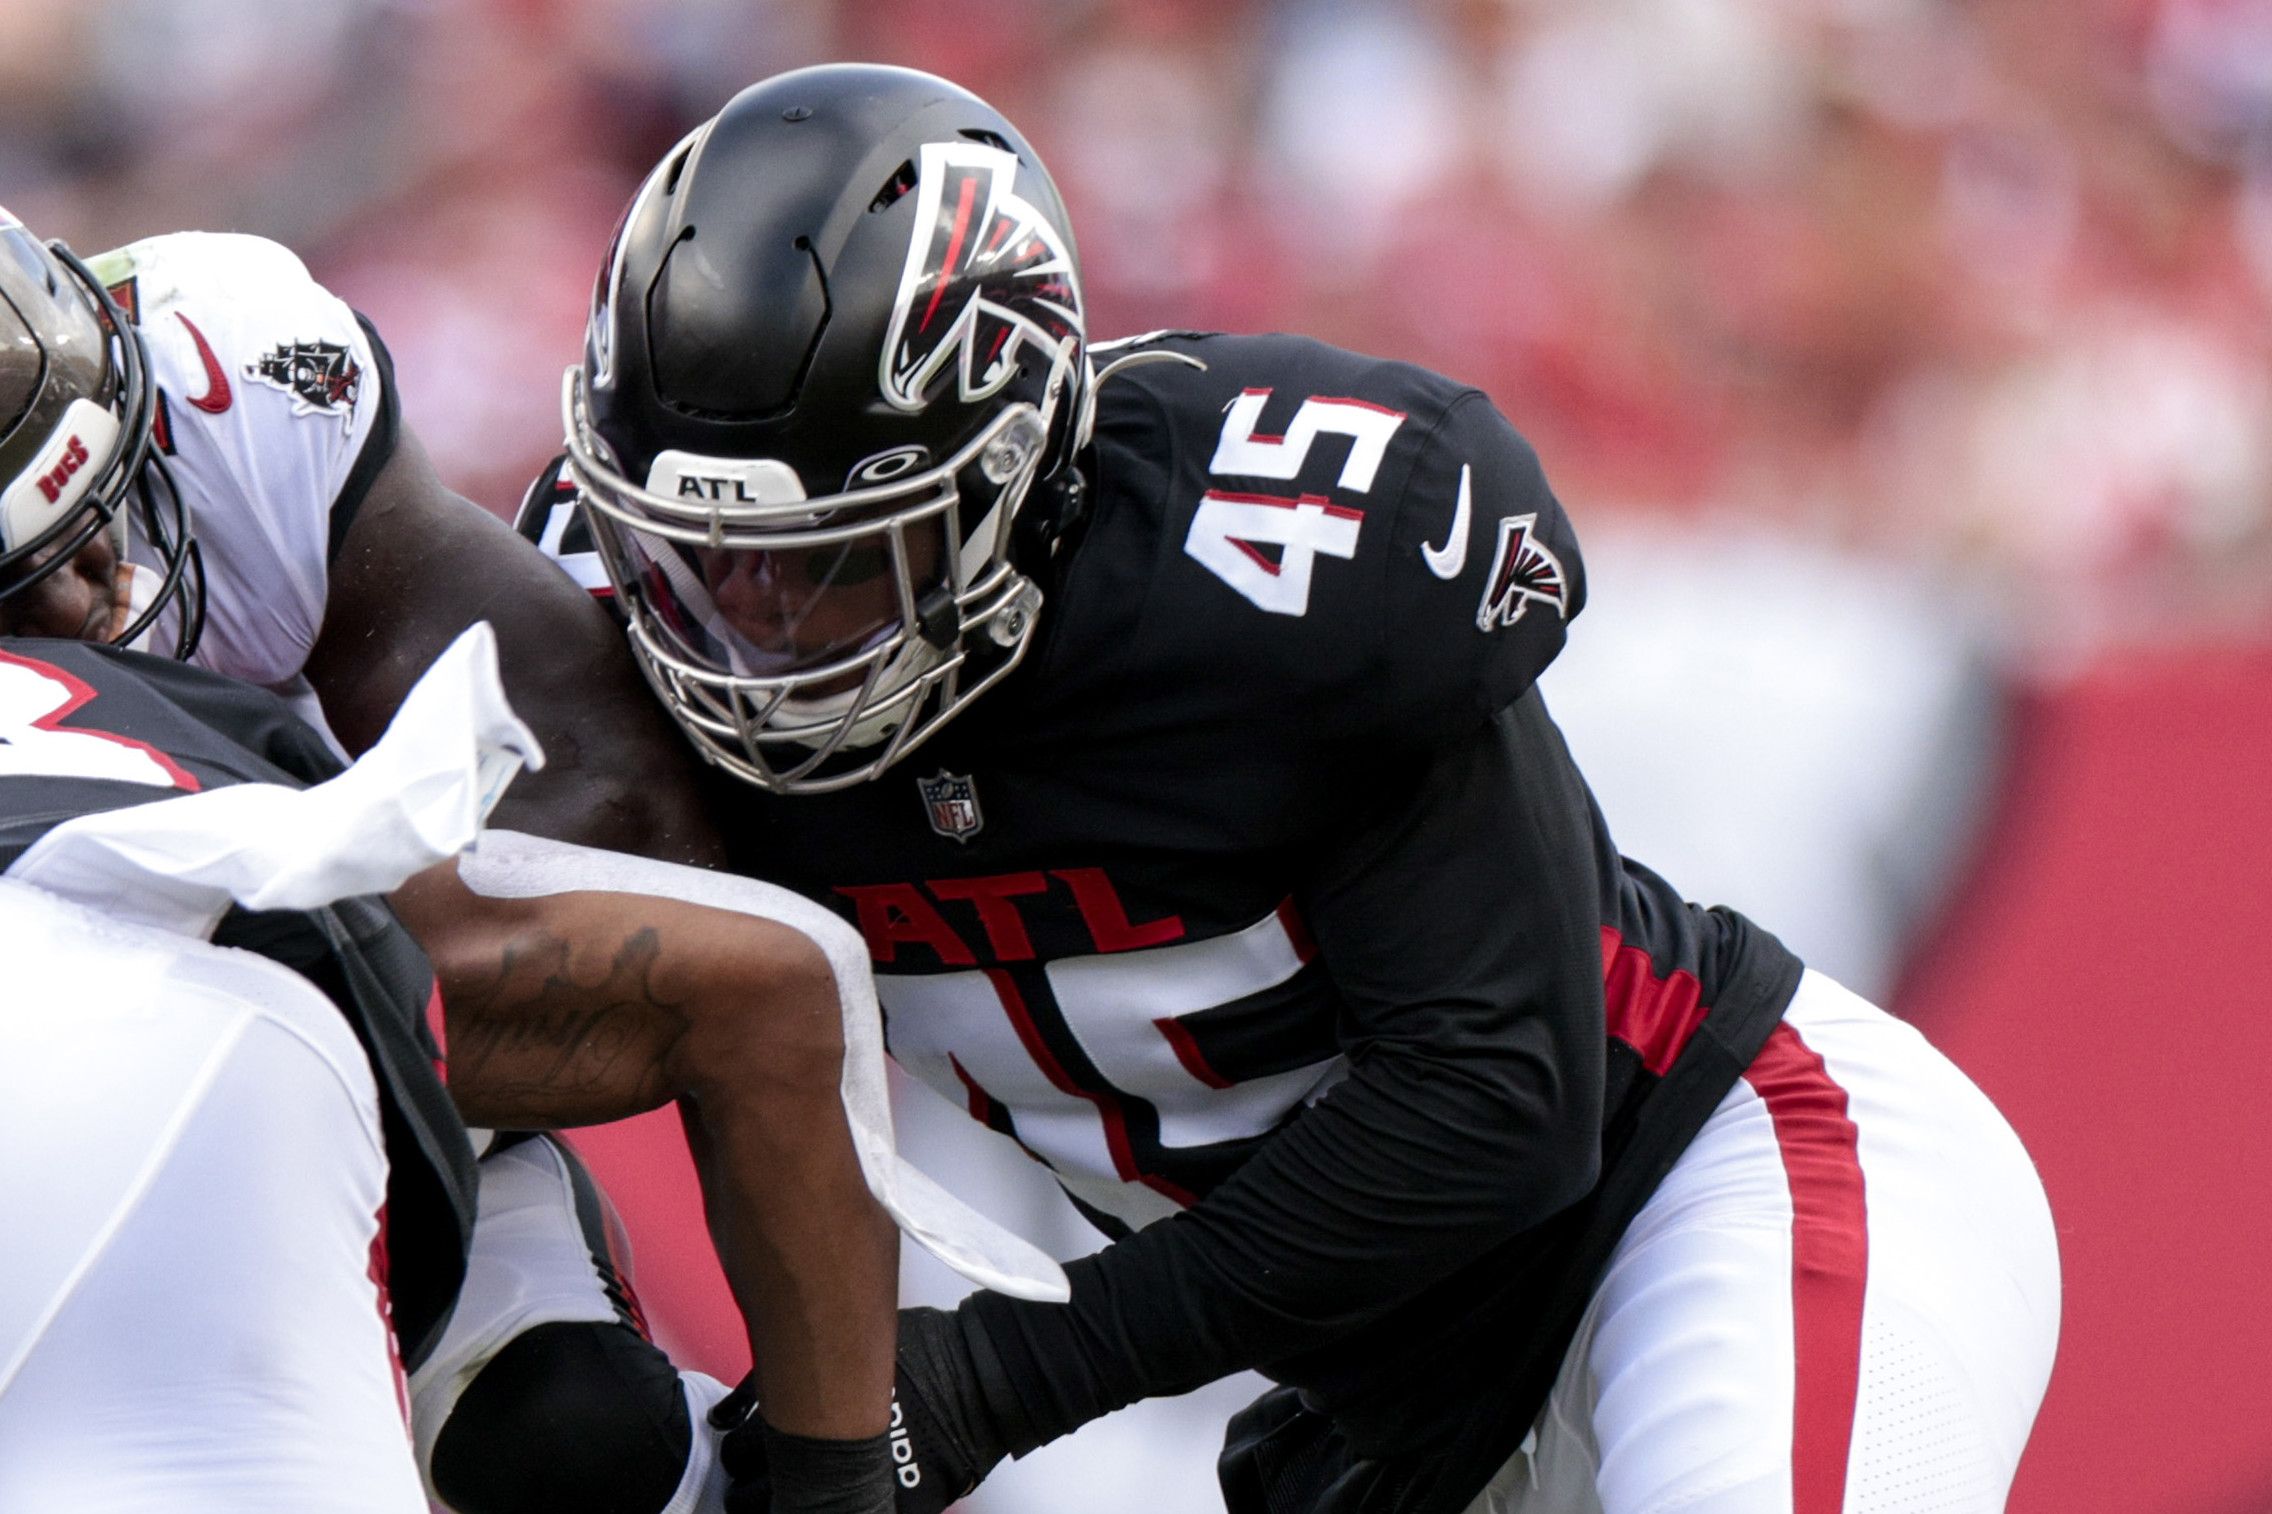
(510, 865)
(59, 475)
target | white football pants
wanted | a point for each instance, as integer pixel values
(191, 1175)
(1845, 1297)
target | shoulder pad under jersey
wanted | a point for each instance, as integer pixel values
(1364, 541)
(246, 341)
(274, 412)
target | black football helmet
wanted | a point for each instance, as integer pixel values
(76, 461)
(837, 346)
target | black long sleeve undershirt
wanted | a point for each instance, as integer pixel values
(1461, 927)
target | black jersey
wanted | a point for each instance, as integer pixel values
(1263, 901)
(90, 728)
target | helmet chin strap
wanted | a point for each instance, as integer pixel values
(142, 592)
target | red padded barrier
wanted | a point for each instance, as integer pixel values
(644, 1167)
(2103, 977)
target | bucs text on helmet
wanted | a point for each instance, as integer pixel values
(838, 344)
(76, 461)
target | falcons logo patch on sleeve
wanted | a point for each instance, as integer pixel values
(1522, 572)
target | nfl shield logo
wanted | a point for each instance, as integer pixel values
(952, 803)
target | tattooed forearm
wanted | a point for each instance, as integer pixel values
(583, 1007)
(533, 1042)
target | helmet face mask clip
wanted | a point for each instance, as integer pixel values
(836, 348)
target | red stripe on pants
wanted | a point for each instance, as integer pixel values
(1830, 1261)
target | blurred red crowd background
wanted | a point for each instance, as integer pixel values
(1981, 287)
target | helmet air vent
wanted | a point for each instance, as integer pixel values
(734, 325)
(901, 181)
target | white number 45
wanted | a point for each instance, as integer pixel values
(1228, 530)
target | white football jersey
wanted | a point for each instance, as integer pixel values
(268, 390)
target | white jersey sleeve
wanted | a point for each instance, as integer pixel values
(275, 411)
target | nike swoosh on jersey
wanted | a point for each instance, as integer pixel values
(217, 396)
(1447, 560)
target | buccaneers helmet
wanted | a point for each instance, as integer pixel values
(837, 347)
(76, 405)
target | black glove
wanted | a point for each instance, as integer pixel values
(943, 1438)
(741, 1450)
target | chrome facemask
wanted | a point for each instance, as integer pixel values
(790, 705)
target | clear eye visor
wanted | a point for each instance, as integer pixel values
(1005, 455)
(828, 624)
(804, 603)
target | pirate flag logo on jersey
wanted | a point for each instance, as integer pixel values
(986, 273)
(1522, 571)
(951, 802)
(323, 378)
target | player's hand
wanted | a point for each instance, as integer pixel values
(943, 1437)
(741, 1450)
(952, 1441)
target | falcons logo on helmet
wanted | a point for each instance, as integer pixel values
(986, 273)
(1522, 572)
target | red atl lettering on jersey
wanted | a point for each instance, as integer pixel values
(1005, 928)
(1107, 918)
(74, 458)
(893, 914)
